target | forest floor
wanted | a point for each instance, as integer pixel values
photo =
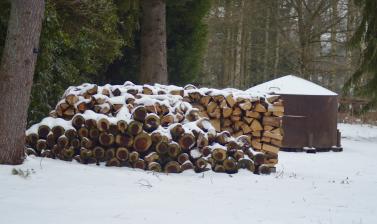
(320, 188)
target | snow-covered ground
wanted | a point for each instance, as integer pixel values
(308, 188)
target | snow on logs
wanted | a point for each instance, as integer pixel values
(162, 128)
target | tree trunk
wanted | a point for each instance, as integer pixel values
(237, 78)
(153, 42)
(16, 76)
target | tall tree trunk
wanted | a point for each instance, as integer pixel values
(237, 79)
(16, 76)
(266, 44)
(153, 42)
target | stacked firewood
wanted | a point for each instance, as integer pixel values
(162, 128)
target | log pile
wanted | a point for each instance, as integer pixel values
(162, 128)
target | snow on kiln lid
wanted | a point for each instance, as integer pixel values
(291, 84)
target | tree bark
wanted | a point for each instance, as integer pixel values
(16, 76)
(153, 42)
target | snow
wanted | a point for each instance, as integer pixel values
(291, 84)
(320, 188)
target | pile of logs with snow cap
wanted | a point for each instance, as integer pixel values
(162, 128)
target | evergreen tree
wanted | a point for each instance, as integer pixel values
(186, 38)
(364, 80)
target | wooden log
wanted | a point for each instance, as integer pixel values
(259, 158)
(139, 113)
(94, 134)
(219, 168)
(90, 123)
(152, 157)
(273, 135)
(230, 165)
(260, 108)
(245, 128)
(147, 91)
(58, 131)
(219, 154)
(50, 140)
(238, 155)
(82, 106)
(272, 121)
(223, 137)
(174, 149)
(134, 128)
(43, 131)
(256, 144)
(122, 154)
(273, 98)
(113, 162)
(265, 139)
(226, 122)
(256, 125)
(83, 132)
(186, 141)
(109, 154)
(277, 143)
(151, 122)
(99, 153)
(85, 154)
(41, 145)
(202, 141)
(133, 157)
(246, 105)
(278, 114)
(216, 124)
(227, 112)
(200, 164)
(162, 147)
(68, 113)
(183, 157)
(167, 120)
(246, 163)
(257, 134)
(176, 131)
(236, 112)
(68, 153)
(75, 143)
(230, 100)
(124, 140)
(276, 108)
(142, 142)
(106, 139)
(139, 164)
(70, 133)
(270, 148)
(113, 129)
(122, 126)
(172, 167)
(263, 169)
(30, 151)
(187, 166)
(211, 107)
(62, 141)
(87, 143)
(247, 120)
(103, 124)
(154, 166)
(78, 121)
(56, 150)
(192, 115)
(204, 100)
(205, 151)
(253, 114)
